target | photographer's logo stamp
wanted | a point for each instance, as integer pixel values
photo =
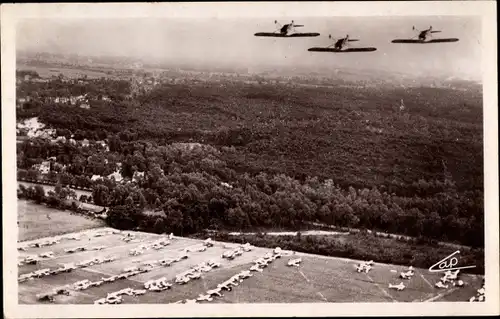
(448, 263)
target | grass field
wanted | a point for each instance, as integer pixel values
(48, 71)
(37, 221)
(317, 279)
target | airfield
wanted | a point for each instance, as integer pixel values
(315, 279)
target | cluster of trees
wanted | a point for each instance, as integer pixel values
(55, 199)
(278, 159)
(194, 189)
(23, 73)
(102, 93)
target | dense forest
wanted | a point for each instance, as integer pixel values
(238, 156)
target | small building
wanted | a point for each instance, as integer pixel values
(137, 176)
(85, 143)
(117, 176)
(95, 177)
(43, 168)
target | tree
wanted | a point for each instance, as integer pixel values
(32, 174)
(122, 217)
(100, 194)
(65, 179)
(22, 174)
(83, 198)
(129, 201)
(157, 203)
(39, 194)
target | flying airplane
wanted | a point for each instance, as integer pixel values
(399, 287)
(341, 46)
(286, 31)
(423, 37)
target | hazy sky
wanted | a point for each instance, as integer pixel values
(232, 42)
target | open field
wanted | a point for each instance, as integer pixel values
(48, 71)
(37, 221)
(317, 279)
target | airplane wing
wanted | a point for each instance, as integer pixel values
(316, 49)
(424, 42)
(279, 35)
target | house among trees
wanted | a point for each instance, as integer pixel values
(85, 143)
(137, 176)
(94, 210)
(43, 168)
(95, 177)
(117, 176)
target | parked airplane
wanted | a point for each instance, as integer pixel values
(294, 262)
(399, 287)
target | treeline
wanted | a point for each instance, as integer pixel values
(186, 183)
(55, 199)
(102, 95)
(62, 87)
(194, 189)
(23, 73)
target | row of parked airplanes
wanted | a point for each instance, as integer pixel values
(194, 273)
(343, 44)
(448, 277)
(258, 266)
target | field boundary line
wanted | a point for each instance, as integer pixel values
(381, 289)
(443, 294)
(429, 295)
(322, 296)
(30, 241)
(300, 271)
(427, 281)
